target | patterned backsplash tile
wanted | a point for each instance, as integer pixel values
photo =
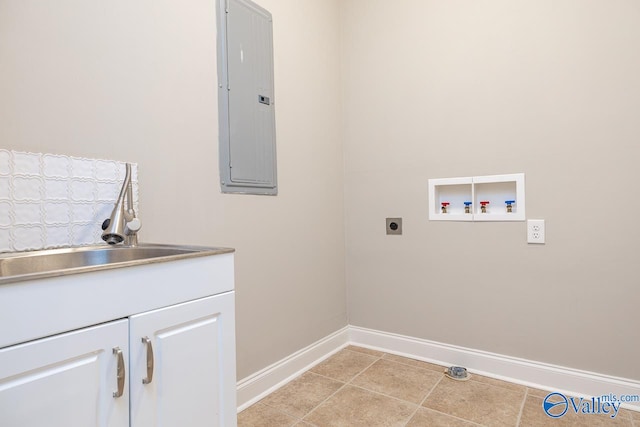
(49, 200)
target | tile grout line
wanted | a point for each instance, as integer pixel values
(309, 371)
(418, 405)
(423, 400)
(378, 358)
(341, 387)
(421, 404)
(497, 385)
(324, 401)
(524, 402)
(295, 417)
(261, 401)
(364, 370)
(384, 395)
(443, 378)
(413, 365)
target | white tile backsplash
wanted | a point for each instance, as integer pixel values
(27, 238)
(5, 213)
(4, 188)
(80, 168)
(6, 244)
(26, 163)
(57, 234)
(51, 200)
(103, 210)
(105, 192)
(27, 188)
(55, 166)
(107, 170)
(84, 234)
(82, 212)
(83, 191)
(56, 189)
(25, 213)
(57, 213)
(5, 158)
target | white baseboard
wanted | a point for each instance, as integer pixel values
(258, 385)
(520, 371)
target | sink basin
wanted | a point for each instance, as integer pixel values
(55, 262)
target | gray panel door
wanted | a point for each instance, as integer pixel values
(251, 118)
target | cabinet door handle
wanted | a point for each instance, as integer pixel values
(146, 341)
(120, 372)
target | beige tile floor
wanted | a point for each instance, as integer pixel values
(361, 387)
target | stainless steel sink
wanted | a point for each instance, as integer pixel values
(19, 266)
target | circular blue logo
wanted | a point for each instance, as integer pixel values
(555, 405)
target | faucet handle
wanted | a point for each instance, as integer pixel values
(134, 225)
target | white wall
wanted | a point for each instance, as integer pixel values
(438, 89)
(136, 81)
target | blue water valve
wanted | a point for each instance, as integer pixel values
(510, 204)
(467, 207)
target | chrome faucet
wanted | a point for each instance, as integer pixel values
(123, 225)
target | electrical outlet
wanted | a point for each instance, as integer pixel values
(535, 231)
(394, 226)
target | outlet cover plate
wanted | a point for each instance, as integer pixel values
(535, 231)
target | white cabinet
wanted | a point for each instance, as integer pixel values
(181, 366)
(67, 380)
(184, 311)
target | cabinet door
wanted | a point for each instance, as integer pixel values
(183, 364)
(66, 380)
